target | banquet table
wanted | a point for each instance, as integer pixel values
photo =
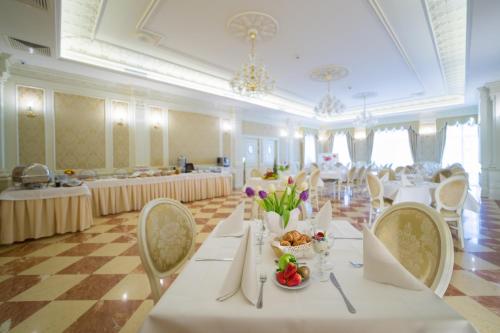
(423, 193)
(36, 213)
(334, 174)
(112, 196)
(189, 305)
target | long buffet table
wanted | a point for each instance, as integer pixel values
(112, 196)
(26, 214)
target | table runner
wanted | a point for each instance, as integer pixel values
(15, 193)
(189, 304)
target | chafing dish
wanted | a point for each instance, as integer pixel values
(31, 176)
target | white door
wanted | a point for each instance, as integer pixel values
(268, 152)
(251, 153)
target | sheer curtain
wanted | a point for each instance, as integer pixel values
(462, 146)
(309, 149)
(340, 148)
(392, 147)
(413, 139)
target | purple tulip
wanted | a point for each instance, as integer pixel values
(262, 194)
(304, 195)
(290, 180)
(249, 192)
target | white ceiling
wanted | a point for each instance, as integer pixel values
(387, 45)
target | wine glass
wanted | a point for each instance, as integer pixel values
(322, 243)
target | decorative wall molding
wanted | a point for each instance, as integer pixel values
(143, 33)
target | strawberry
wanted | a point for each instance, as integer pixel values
(280, 276)
(320, 234)
(294, 280)
(290, 270)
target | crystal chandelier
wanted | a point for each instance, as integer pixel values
(365, 118)
(329, 106)
(252, 79)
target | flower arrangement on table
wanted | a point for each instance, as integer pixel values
(284, 167)
(69, 172)
(327, 158)
(293, 195)
(270, 175)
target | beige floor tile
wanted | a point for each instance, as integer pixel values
(483, 319)
(52, 239)
(52, 250)
(130, 222)
(49, 288)
(119, 265)
(201, 237)
(204, 215)
(111, 249)
(4, 260)
(472, 285)
(133, 286)
(54, 317)
(51, 266)
(470, 261)
(199, 227)
(134, 323)
(106, 237)
(4, 277)
(97, 229)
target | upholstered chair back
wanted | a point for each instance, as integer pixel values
(166, 239)
(300, 178)
(451, 193)
(417, 236)
(375, 188)
(315, 178)
(399, 169)
(351, 174)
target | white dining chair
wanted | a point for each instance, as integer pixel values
(300, 177)
(449, 201)
(417, 236)
(377, 201)
(166, 237)
(255, 173)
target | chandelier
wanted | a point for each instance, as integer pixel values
(252, 79)
(329, 106)
(365, 118)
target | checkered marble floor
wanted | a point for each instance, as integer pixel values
(93, 281)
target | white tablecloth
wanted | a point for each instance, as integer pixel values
(256, 182)
(190, 305)
(26, 214)
(335, 174)
(112, 196)
(423, 193)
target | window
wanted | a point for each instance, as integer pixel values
(309, 150)
(340, 148)
(392, 147)
(462, 146)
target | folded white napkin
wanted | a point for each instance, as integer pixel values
(381, 266)
(242, 273)
(233, 224)
(273, 222)
(384, 178)
(405, 181)
(324, 216)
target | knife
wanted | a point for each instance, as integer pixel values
(346, 301)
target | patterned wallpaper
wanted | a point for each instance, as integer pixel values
(156, 138)
(193, 135)
(80, 131)
(121, 135)
(31, 129)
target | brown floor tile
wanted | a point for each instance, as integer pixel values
(492, 257)
(490, 302)
(86, 265)
(493, 276)
(16, 312)
(23, 250)
(131, 251)
(92, 288)
(452, 291)
(123, 228)
(200, 220)
(116, 220)
(207, 228)
(16, 285)
(79, 237)
(82, 250)
(105, 316)
(127, 238)
(21, 264)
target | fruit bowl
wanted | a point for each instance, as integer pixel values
(302, 285)
(290, 275)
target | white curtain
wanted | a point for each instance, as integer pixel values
(350, 147)
(413, 138)
(340, 147)
(369, 145)
(309, 149)
(440, 143)
(392, 147)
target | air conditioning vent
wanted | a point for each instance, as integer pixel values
(29, 47)
(40, 4)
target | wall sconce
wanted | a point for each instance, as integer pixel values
(30, 113)
(156, 120)
(283, 133)
(226, 126)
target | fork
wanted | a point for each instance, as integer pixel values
(263, 279)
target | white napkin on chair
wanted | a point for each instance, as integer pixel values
(233, 224)
(405, 181)
(324, 216)
(242, 273)
(384, 178)
(273, 222)
(381, 266)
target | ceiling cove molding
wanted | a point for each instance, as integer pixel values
(78, 19)
(390, 30)
(143, 33)
(448, 23)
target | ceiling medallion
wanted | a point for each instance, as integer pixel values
(329, 106)
(365, 118)
(252, 79)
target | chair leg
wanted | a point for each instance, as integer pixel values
(371, 216)
(460, 233)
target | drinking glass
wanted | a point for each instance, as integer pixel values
(321, 247)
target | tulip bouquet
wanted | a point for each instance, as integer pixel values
(281, 203)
